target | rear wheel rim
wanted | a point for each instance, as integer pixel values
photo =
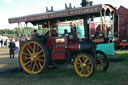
(32, 57)
(83, 65)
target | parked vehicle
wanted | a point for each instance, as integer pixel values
(121, 27)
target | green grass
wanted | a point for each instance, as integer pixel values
(117, 74)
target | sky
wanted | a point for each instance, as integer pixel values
(15, 8)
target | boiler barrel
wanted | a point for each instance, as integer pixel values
(84, 46)
(88, 46)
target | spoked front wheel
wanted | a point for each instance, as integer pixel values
(84, 65)
(33, 57)
(101, 60)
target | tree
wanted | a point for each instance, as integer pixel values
(18, 31)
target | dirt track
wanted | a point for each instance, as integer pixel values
(5, 62)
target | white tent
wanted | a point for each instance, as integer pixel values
(3, 37)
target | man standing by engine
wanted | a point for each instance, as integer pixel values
(12, 48)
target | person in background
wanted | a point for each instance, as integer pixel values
(2, 43)
(78, 35)
(17, 46)
(5, 42)
(36, 33)
(65, 32)
(12, 48)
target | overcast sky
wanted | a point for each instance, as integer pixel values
(14, 8)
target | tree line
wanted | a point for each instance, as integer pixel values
(14, 31)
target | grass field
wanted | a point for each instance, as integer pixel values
(117, 74)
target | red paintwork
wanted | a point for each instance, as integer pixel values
(52, 42)
(92, 28)
(123, 43)
(59, 50)
(59, 54)
(53, 33)
(73, 46)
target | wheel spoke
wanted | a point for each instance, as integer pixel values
(30, 66)
(101, 66)
(81, 70)
(78, 63)
(86, 61)
(37, 48)
(97, 66)
(41, 56)
(26, 54)
(33, 67)
(39, 52)
(30, 47)
(29, 51)
(34, 48)
(78, 67)
(40, 60)
(37, 65)
(27, 62)
(80, 60)
(84, 71)
(83, 58)
(87, 70)
(26, 58)
(40, 64)
(89, 63)
(88, 67)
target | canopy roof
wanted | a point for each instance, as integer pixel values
(62, 15)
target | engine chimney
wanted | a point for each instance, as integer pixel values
(86, 3)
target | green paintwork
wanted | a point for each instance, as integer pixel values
(107, 48)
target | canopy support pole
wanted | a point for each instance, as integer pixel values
(101, 20)
(86, 27)
(113, 24)
(104, 27)
(18, 25)
(49, 28)
(110, 18)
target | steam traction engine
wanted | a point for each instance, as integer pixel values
(51, 48)
(37, 54)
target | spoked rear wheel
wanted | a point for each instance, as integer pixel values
(84, 65)
(33, 57)
(102, 62)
